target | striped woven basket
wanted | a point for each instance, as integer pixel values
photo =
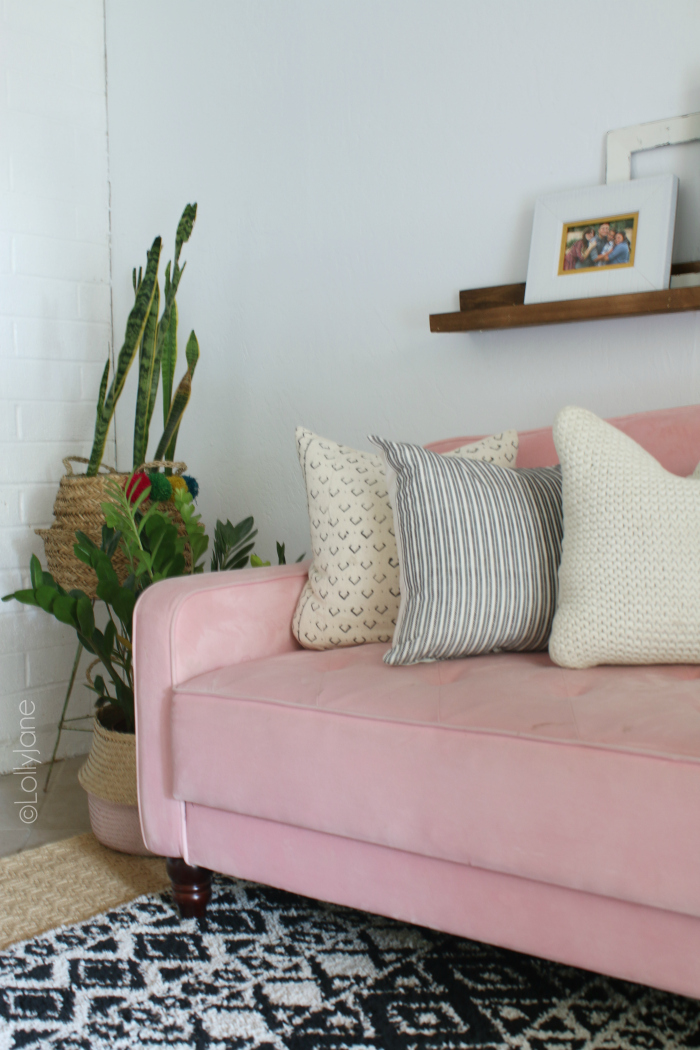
(109, 777)
(78, 506)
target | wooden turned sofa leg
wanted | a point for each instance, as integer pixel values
(191, 887)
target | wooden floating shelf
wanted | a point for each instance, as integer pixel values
(502, 306)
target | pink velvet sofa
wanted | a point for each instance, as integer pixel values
(502, 798)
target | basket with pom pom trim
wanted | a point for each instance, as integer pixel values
(78, 507)
(152, 469)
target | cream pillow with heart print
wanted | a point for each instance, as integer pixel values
(352, 594)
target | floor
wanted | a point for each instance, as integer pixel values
(62, 810)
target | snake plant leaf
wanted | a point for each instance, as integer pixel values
(103, 386)
(155, 377)
(192, 352)
(149, 373)
(184, 229)
(169, 360)
(177, 410)
(135, 326)
(192, 355)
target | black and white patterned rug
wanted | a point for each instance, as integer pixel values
(271, 971)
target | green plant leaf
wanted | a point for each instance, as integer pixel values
(135, 326)
(84, 548)
(123, 606)
(45, 597)
(169, 362)
(110, 634)
(27, 597)
(184, 228)
(196, 536)
(192, 355)
(281, 559)
(177, 411)
(35, 571)
(64, 608)
(257, 562)
(85, 615)
(149, 373)
(103, 386)
(192, 352)
(110, 540)
(232, 544)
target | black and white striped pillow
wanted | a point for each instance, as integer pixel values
(479, 548)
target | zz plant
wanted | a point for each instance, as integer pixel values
(155, 551)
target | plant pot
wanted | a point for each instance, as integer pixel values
(109, 777)
(78, 506)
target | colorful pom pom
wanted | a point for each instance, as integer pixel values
(177, 484)
(161, 489)
(192, 485)
(136, 485)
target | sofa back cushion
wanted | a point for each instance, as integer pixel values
(671, 435)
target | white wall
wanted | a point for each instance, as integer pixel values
(54, 321)
(356, 163)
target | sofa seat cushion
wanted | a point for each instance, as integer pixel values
(588, 779)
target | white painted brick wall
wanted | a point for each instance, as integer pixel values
(54, 320)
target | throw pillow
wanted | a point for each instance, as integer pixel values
(352, 595)
(630, 572)
(479, 549)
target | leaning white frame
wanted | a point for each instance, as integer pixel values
(623, 142)
(655, 200)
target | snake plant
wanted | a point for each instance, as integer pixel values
(156, 342)
(135, 328)
(159, 353)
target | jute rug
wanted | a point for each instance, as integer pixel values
(270, 971)
(69, 881)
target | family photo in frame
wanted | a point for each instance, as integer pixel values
(605, 242)
(624, 247)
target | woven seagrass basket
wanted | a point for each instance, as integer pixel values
(78, 506)
(109, 777)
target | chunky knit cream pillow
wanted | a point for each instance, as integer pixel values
(352, 594)
(629, 580)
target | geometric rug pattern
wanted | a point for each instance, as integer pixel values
(267, 970)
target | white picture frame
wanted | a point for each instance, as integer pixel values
(624, 142)
(652, 203)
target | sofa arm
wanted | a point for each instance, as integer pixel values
(184, 627)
